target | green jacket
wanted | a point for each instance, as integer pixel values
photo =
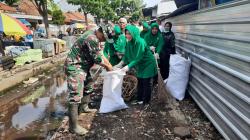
(110, 53)
(155, 40)
(144, 32)
(112, 50)
(138, 55)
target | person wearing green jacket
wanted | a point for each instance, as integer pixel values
(109, 53)
(145, 30)
(119, 41)
(115, 51)
(138, 55)
(155, 40)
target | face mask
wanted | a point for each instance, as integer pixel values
(167, 29)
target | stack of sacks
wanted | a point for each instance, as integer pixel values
(16, 51)
(29, 56)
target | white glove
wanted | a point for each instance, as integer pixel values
(125, 69)
(157, 56)
(119, 55)
(118, 66)
(152, 48)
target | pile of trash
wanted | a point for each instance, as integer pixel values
(6, 62)
(16, 51)
(23, 54)
(29, 56)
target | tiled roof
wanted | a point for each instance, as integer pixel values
(28, 7)
(79, 15)
(6, 8)
(74, 16)
(23, 6)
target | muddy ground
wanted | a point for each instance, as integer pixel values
(153, 122)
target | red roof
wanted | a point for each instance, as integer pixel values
(74, 16)
(28, 7)
(79, 15)
(24, 6)
(6, 8)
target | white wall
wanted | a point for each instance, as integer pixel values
(166, 7)
(154, 12)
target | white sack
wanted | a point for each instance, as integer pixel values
(112, 92)
(178, 76)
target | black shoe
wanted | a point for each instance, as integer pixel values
(137, 102)
(96, 98)
(88, 91)
(94, 104)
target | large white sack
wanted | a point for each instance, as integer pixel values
(178, 76)
(112, 92)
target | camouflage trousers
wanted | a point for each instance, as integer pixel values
(75, 82)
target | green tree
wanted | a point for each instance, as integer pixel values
(98, 8)
(56, 12)
(127, 7)
(104, 10)
(42, 8)
(109, 9)
(58, 17)
(86, 6)
(52, 6)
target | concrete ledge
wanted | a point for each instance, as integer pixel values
(15, 76)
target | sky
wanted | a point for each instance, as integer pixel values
(150, 3)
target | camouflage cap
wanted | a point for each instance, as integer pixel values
(107, 30)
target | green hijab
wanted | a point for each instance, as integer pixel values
(155, 40)
(117, 30)
(143, 32)
(138, 55)
(119, 40)
(111, 49)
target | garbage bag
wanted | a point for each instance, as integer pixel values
(17, 50)
(178, 76)
(112, 92)
(29, 56)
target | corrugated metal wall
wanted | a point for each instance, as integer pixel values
(218, 42)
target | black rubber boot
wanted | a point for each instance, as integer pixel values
(84, 107)
(74, 127)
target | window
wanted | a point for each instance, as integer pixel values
(211, 3)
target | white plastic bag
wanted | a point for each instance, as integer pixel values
(112, 92)
(178, 76)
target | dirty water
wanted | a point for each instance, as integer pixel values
(33, 111)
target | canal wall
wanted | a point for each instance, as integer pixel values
(13, 77)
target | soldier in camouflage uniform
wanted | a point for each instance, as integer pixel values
(82, 56)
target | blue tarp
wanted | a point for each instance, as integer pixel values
(25, 22)
(18, 50)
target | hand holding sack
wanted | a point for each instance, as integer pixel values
(106, 63)
(156, 55)
(152, 48)
(118, 66)
(125, 69)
